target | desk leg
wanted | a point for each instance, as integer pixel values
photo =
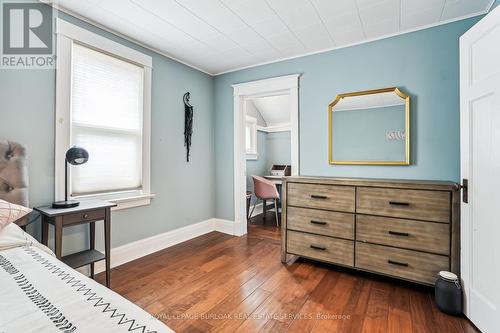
(92, 245)
(45, 231)
(276, 212)
(58, 236)
(279, 187)
(107, 243)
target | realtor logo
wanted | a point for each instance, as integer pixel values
(27, 35)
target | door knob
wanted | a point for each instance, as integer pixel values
(465, 190)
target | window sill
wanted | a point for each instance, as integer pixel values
(252, 156)
(131, 202)
(123, 202)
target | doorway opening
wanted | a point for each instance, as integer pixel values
(266, 144)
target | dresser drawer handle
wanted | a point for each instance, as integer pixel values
(322, 197)
(85, 216)
(398, 263)
(397, 233)
(316, 247)
(318, 222)
(399, 203)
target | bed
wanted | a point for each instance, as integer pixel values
(39, 293)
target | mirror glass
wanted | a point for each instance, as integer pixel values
(370, 127)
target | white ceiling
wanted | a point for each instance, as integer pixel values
(275, 110)
(217, 36)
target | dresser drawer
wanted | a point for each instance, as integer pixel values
(323, 248)
(331, 197)
(321, 222)
(406, 264)
(408, 234)
(93, 215)
(412, 204)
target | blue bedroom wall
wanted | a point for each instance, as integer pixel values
(425, 64)
(184, 191)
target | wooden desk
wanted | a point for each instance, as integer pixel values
(278, 180)
(89, 211)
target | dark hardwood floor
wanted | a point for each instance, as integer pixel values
(220, 283)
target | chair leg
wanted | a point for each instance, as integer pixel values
(276, 212)
(251, 212)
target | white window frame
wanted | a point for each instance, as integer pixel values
(252, 153)
(67, 35)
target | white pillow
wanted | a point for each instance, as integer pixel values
(10, 212)
(13, 236)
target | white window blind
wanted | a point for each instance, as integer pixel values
(107, 120)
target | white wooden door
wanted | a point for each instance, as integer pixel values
(480, 164)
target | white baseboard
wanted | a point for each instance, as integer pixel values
(228, 227)
(225, 226)
(135, 250)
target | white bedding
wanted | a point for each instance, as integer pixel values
(39, 293)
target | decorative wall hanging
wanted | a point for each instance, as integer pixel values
(188, 123)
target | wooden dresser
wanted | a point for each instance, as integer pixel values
(401, 228)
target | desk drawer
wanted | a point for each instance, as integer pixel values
(406, 264)
(93, 215)
(321, 222)
(331, 197)
(408, 234)
(324, 248)
(412, 204)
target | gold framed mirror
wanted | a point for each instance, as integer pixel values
(370, 128)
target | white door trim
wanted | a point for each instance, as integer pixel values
(465, 211)
(283, 85)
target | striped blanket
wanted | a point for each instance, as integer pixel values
(39, 293)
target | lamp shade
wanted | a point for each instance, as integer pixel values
(74, 156)
(77, 155)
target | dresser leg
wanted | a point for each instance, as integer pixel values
(107, 243)
(288, 258)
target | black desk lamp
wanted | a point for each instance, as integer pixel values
(74, 156)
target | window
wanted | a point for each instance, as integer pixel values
(106, 119)
(105, 110)
(251, 138)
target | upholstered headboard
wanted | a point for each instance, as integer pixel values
(14, 175)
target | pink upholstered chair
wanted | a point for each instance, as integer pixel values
(266, 190)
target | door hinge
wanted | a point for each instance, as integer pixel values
(465, 190)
